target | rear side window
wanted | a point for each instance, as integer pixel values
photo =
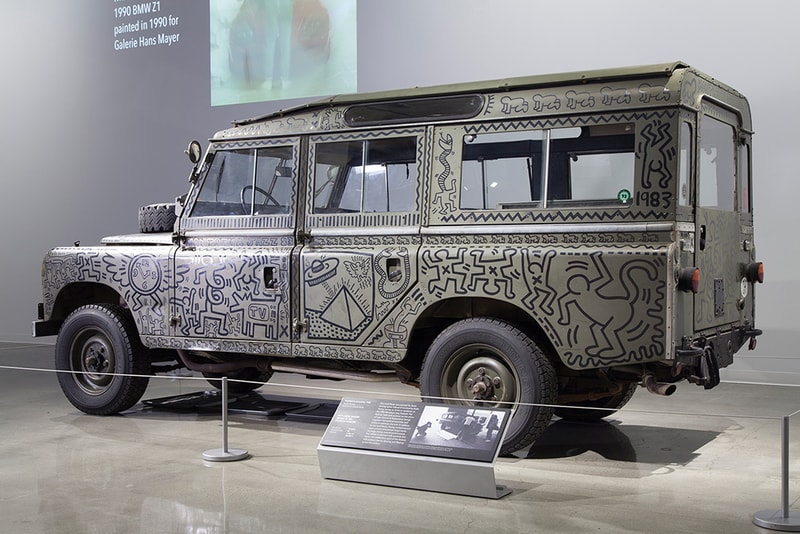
(499, 169)
(592, 165)
(685, 166)
(744, 178)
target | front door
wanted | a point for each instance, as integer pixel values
(232, 273)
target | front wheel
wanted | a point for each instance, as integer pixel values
(489, 362)
(97, 355)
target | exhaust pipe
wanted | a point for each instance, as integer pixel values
(659, 388)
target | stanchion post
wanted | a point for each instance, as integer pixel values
(225, 454)
(783, 519)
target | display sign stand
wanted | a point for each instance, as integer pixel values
(432, 447)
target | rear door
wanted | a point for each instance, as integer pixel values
(362, 223)
(720, 253)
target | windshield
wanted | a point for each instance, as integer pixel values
(247, 182)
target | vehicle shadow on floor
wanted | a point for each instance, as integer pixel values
(623, 443)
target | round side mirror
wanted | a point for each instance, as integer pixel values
(195, 152)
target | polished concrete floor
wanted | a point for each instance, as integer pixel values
(699, 461)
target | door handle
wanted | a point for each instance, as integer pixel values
(270, 282)
(393, 271)
(702, 237)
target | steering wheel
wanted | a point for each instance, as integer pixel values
(245, 199)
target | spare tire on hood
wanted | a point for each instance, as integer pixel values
(157, 218)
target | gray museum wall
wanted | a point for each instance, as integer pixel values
(90, 133)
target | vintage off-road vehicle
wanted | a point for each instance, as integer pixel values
(527, 242)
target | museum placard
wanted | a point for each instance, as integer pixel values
(438, 430)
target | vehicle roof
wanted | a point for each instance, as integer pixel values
(499, 85)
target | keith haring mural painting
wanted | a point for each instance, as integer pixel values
(344, 294)
(610, 303)
(232, 294)
(545, 240)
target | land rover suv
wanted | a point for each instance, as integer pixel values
(546, 243)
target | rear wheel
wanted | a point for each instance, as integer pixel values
(97, 350)
(491, 363)
(611, 405)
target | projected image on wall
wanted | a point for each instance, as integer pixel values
(281, 49)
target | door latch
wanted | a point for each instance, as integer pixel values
(299, 325)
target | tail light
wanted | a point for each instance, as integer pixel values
(689, 279)
(755, 273)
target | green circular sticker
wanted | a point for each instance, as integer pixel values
(624, 196)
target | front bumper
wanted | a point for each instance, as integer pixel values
(42, 328)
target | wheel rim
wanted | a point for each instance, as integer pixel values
(480, 375)
(92, 357)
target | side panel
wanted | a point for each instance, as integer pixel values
(225, 294)
(589, 255)
(605, 307)
(141, 275)
(350, 286)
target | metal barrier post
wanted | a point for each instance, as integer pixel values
(783, 519)
(225, 454)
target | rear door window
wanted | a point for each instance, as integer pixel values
(717, 161)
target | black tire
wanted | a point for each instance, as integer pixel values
(157, 218)
(502, 351)
(100, 344)
(251, 374)
(612, 404)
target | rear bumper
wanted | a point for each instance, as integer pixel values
(701, 359)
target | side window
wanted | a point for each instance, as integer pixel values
(685, 166)
(717, 165)
(247, 182)
(372, 175)
(601, 176)
(273, 191)
(591, 165)
(744, 178)
(502, 169)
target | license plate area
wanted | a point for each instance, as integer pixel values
(719, 297)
